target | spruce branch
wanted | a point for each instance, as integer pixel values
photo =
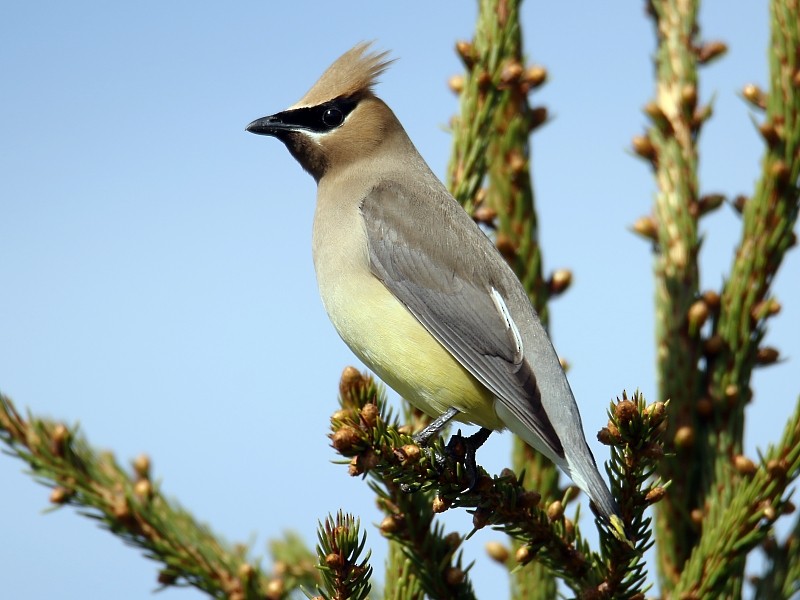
(414, 483)
(739, 517)
(769, 218)
(131, 506)
(345, 574)
(781, 577)
(670, 146)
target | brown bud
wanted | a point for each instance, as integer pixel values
(120, 508)
(769, 133)
(684, 437)
(345, 438)
(710, 51)
(453, 540)
(58, 440)
(529, 499)
(453, 576)
(480, 196)
(517, 163)
(467, 53)
(710, 202)
(391, 524)
(646, 227)
(767, 355)
(60, 495)
(456, 83)
(511, 72)
(523, 555)
(334, 561)
(766, 308)
(613, 430)
(731, 392)
(537, 117)
(689, 97)
(625, 411)
(411, 453)
(698, 314)
(744, 465)
(167, 577)
(555, 511)
(509, 474)
(560, 281)
(655, 495)
(569, 528)
(656, 412)
(350, 379)
(484, 214)
(341, 415)
(644, 147)
(276, 589)
(780, 171)
(369, 414)
(245, 570)
(788, 507)
(711, 298)
(355, 468)
(755, 96)
(654, 111)
(713, 345)
(705, 407)
(777, 468)
(739, 202)
(404, 430)
(534, 76)
(604, 437)
(440, 505)
(143, 488)
(480, 518)
(497, 552)
(141, 466)
(769, 511)
(697, 516)
(483, 79)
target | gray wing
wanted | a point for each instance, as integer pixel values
(433, 258)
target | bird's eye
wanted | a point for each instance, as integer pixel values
(332, 117)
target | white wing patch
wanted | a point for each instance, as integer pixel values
(500, 304)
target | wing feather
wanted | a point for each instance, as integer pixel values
(433, 258)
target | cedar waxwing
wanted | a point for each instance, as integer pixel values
(414, 287)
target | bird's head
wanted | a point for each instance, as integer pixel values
(339, 120)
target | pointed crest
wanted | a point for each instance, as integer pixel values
(355, 71)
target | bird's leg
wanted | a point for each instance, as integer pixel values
(435, 426)
(464, 448)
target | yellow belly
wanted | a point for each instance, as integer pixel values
(391, 342)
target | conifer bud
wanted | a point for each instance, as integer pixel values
(684, 437)
(555, 511)
(141, 466)
(767, 355)
(453, 576)
(755, 96)
(644, 147)
(497, 552)
(456, 83)
(646, 227)
(744, 465)
(440, 505)
(534, 76)
(560, 281)
(711, 51)
(345, 438)
(655, 495)
(369, 414)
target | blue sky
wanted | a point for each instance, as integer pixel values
(155, 265)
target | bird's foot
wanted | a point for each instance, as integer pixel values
(463, 449)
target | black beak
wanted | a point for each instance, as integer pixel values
(272, 125)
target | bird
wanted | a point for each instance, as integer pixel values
(414, 287)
